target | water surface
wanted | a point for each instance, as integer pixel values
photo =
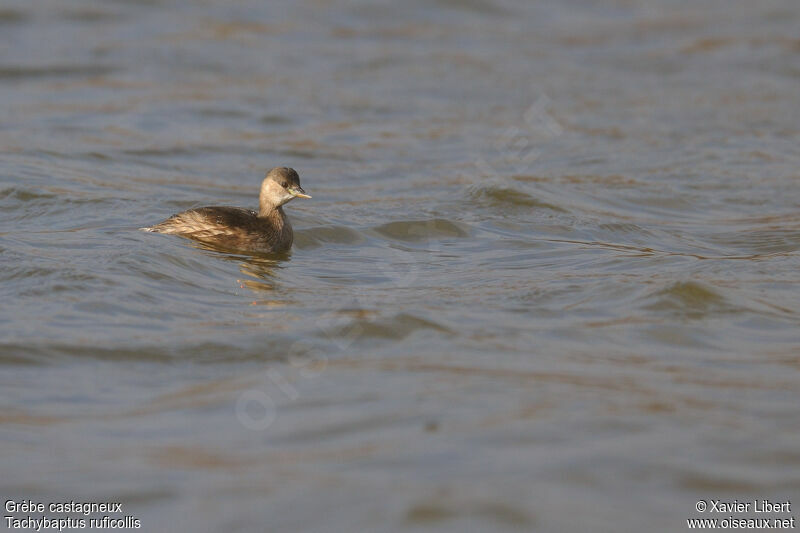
(548, 280)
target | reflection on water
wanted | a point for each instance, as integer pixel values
(548, 280)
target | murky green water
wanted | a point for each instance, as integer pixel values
(548, 280)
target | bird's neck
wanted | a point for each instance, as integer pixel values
(272, 213)
(277, 228)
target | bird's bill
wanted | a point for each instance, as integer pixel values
(298, 192)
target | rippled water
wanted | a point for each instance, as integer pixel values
(548, 280)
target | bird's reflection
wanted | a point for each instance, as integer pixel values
(260, 267)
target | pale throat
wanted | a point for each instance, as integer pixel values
(270, 200)
(265, 204)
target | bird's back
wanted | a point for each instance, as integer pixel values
(232, 227)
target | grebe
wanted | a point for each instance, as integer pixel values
(267, 230)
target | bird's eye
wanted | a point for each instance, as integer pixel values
(284, 184)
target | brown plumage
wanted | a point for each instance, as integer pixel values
(267, 230)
